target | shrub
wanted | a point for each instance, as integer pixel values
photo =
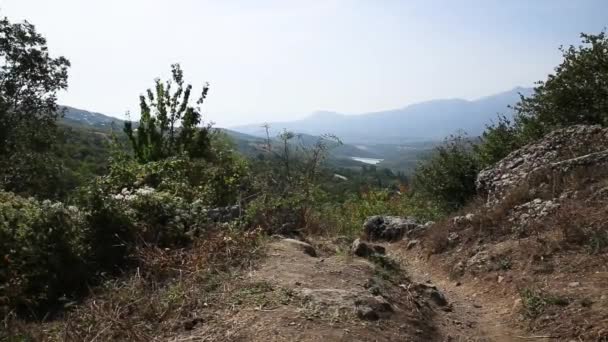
(575, 94)
(535, 302)
(110, 233)
(347, 218)
(217, 181)
(497, 141)
(448, 177)
(43, 253)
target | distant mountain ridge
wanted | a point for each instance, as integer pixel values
(86, 117)
(430, 120)
(245, 143)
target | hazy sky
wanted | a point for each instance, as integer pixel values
(271, 60)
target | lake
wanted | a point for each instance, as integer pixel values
(371, 161)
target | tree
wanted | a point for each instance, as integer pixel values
(29, 81)
(497, 141)
(448, 177)
(577, 93)
(169, 125)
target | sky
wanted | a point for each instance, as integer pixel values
(271, 60)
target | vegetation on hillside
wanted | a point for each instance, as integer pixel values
(575, 94)
(80, 208)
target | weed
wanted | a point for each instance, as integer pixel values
(535, 302)
(505, 263)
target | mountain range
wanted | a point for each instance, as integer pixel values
(395, 139)
(431, 120)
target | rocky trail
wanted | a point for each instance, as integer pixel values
(324, 293)
(475, 314)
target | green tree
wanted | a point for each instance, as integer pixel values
(448, 177)
(29, 81)
(169, 124)
(577, 93)
(497, 141)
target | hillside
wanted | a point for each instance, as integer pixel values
(84, 117)
(432, 120)
(83, 121)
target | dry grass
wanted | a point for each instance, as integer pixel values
(171, 290)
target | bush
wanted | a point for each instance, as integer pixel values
(218, 181)
(448, 177)
(347, 218)
(43, 253)
(575, 94)
(497, 141)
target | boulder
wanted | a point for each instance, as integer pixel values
(389, 228)
(560, 151)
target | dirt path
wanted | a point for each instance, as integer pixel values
(476, 314)
(301, 293)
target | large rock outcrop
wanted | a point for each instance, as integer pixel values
(559, 152)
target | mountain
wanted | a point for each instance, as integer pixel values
(431, 120)
(247, 144)
(84, 117)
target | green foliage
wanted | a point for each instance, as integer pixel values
(29, 81)
(535, 302)
(497, 141)
(448, 177)
(42, 252)
(346, 218)
(286, 185)
(169, 124)
(575, 94)
(217, 181)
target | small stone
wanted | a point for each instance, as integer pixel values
(574, 284)
(500, 279)
(367, 313)
(364, 249)
(438, 298)
(412, 244)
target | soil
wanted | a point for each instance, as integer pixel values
(293, 296)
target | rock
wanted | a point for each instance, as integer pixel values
(459, 268)
(438, 298)
(389, 228)
(191, 323)
(559, 152)
(574, 284)
(500, 279)
(411, 244)
(463, 220)
(367, 313)
(432, 293)
(303, 246)
(453, 238)
(478, 261)
(364, 249)
(373, 308)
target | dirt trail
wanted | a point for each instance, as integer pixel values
(476, 314)
(301, 293)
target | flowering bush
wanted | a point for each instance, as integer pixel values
(42, 252)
